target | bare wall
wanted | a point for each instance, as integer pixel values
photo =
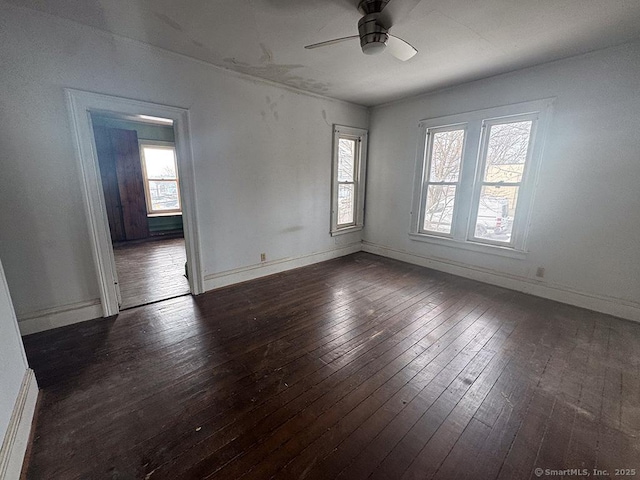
(262, 156)
(585, 226)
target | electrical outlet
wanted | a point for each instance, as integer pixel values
(540, 272)
(263, 257)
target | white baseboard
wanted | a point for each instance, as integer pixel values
(79, 312)
(251, 272)
(600, 303)
(59, 316)
(16, 440)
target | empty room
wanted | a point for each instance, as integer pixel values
(303, 239)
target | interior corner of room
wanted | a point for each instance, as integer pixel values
(251, 192)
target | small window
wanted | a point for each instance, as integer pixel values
(349, 163)
(160, 171)
(475, 177)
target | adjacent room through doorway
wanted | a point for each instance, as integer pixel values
(140, 182)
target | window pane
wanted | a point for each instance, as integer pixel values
(446, 156)
(164, 195)
(507, 151)
(346, 204)
(438, 213)
(495, 213)
(160, 162)
(346, 159)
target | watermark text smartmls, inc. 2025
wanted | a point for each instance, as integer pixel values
(585, 472)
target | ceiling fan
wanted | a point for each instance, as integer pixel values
(374, 26)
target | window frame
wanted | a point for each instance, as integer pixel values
(480, 182)
(430, 133)
(147, 193)
(471, 177)
(360, 136)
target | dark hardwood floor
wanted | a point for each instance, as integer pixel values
(360, 367)
(151, 271)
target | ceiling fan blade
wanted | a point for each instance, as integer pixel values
(400, 49)
(395, 11)
(332, 42)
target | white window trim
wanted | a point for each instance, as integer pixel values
(428, 147)
(158, 143)
(470, 179)
(361, 135)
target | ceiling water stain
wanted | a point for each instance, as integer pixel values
(267, 55)
(280, 73)
(171, 23)
(168, 21)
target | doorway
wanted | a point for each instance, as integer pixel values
(84, 107)
(140, 182)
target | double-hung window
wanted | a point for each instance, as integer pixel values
(475, 177)
(349, 166)
(444, 150)
(160, 171)
(505, 151)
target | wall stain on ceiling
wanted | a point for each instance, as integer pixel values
(267, 55)
(168, 21)
(324, 117)
(273, 107)
(277, 73)
(295, 228)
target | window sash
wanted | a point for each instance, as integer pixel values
(426, 183)
(516, 228)
(359, 137)
(354, 203)
(148, 180)
(355, 182)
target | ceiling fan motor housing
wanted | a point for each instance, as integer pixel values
(373, 37)
(372, 6)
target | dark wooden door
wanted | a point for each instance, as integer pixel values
(106, 161)
(130, 183)
(123, 183)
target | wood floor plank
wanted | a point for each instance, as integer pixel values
(414, 372)
(357, 367)
(394, 353)
(434, 377)
(150, 271)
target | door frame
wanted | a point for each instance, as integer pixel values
(81, 104)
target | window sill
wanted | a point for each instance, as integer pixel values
(342, 231)
(166, 214)
(471, 246)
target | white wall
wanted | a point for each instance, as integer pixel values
(585, 226)
(263, 161)
(262, 155)
(13, 362)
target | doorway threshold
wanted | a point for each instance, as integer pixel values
(154, 301)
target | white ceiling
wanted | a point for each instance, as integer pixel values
(457, 40)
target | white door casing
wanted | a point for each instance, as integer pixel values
(81, 104)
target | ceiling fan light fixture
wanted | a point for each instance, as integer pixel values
(374, 47)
